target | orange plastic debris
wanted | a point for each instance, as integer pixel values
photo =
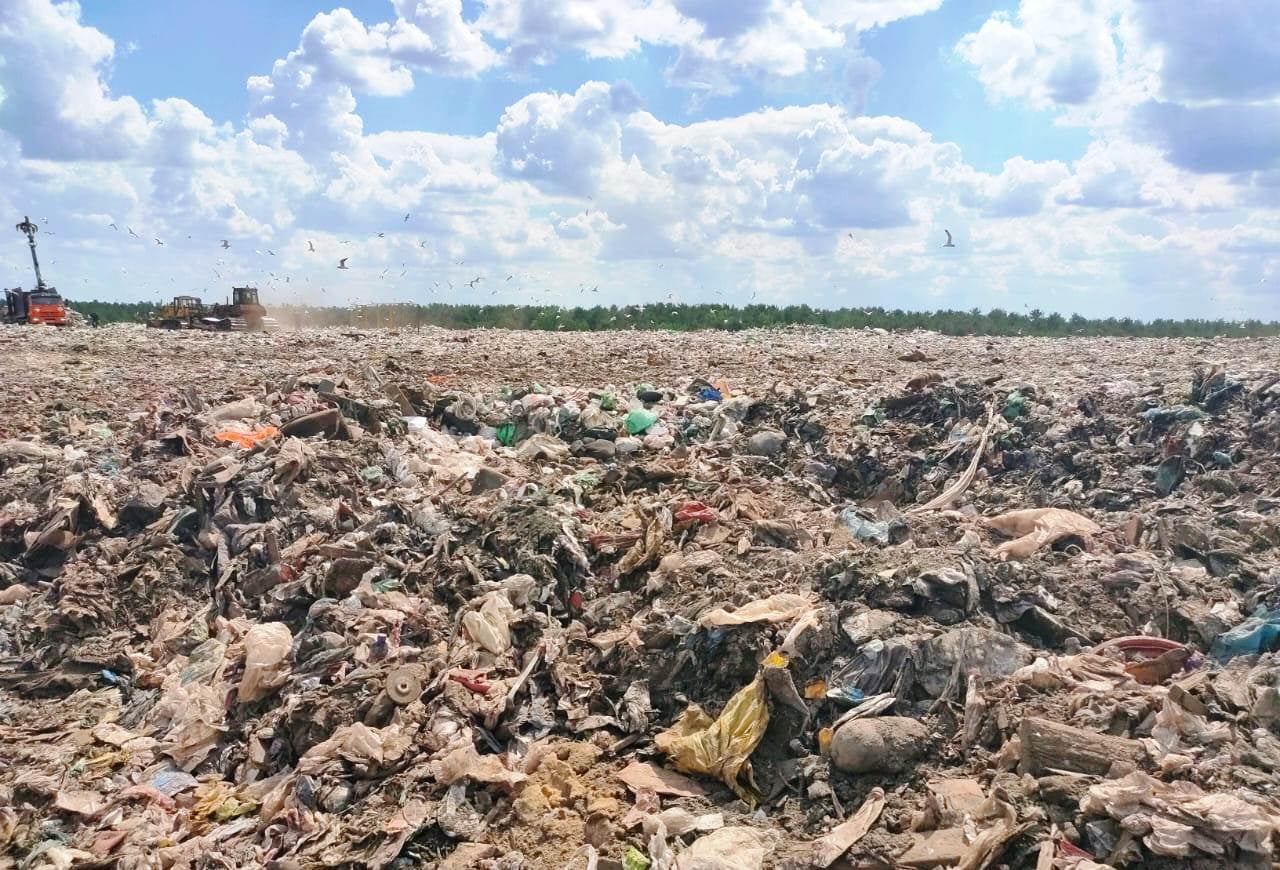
(248, 439)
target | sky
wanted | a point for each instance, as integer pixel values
(1102, 157)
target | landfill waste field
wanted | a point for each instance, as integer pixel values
(708, 601)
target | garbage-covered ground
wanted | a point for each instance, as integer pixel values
(770, 599)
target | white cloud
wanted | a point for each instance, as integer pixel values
(1222, 50)
(1051, 53)
(536, 30)
(1020, 189)
(718, 43)
(867, 14)
(56, 99)
(798, 203)
(777, 38)
(1119, 173)
(431, 35)
(1197, 80)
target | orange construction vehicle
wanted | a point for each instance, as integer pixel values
(41, 305)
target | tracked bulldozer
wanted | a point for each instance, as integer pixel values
(243, 313)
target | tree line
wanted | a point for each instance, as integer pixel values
(681, 317)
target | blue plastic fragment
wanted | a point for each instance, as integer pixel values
(1258, 634)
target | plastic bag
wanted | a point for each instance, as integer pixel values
(247, 439)
(782, 607)
(1257, 634)
(489, 626)
(639, 420)
(266, 666)
(1039, 528)
(721, 747)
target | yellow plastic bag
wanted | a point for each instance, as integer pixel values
(722, 747)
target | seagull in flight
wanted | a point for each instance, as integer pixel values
(509, 277)
(474, 281)
(406, 217)
(380, 235)
(160, 243)
(342, 264)
(948, 243)
(225, 244)
(132, 233)
(114, 227)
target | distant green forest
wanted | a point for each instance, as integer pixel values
(691, 317)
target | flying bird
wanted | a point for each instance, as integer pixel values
(160, 243)
(422, 244)
(474, 281)
(132, 233)
(225, 244)
(114, 227)
(406, 217)
(311, 246)
(949, 243)
(509, 277)
(271, 252)
(380, 235)
(342, 264)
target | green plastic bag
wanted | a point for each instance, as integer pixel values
(639, 420)
(608, 402)
(1015, 406)
(507, 434)
(634, 859)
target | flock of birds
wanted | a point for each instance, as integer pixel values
(436, 286)
(474, 283)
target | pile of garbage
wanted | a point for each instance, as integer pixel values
(778, 599)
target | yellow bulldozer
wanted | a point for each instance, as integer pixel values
(243, 313)
(184, 312)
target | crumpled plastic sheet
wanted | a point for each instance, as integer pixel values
(1177, 727)
(782, 607)
(266, 665)
(721, 747)
(1037, 528)
(465, 763)
(1085, 671)
(247, 440)
(490, 626)
(1180, 817)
